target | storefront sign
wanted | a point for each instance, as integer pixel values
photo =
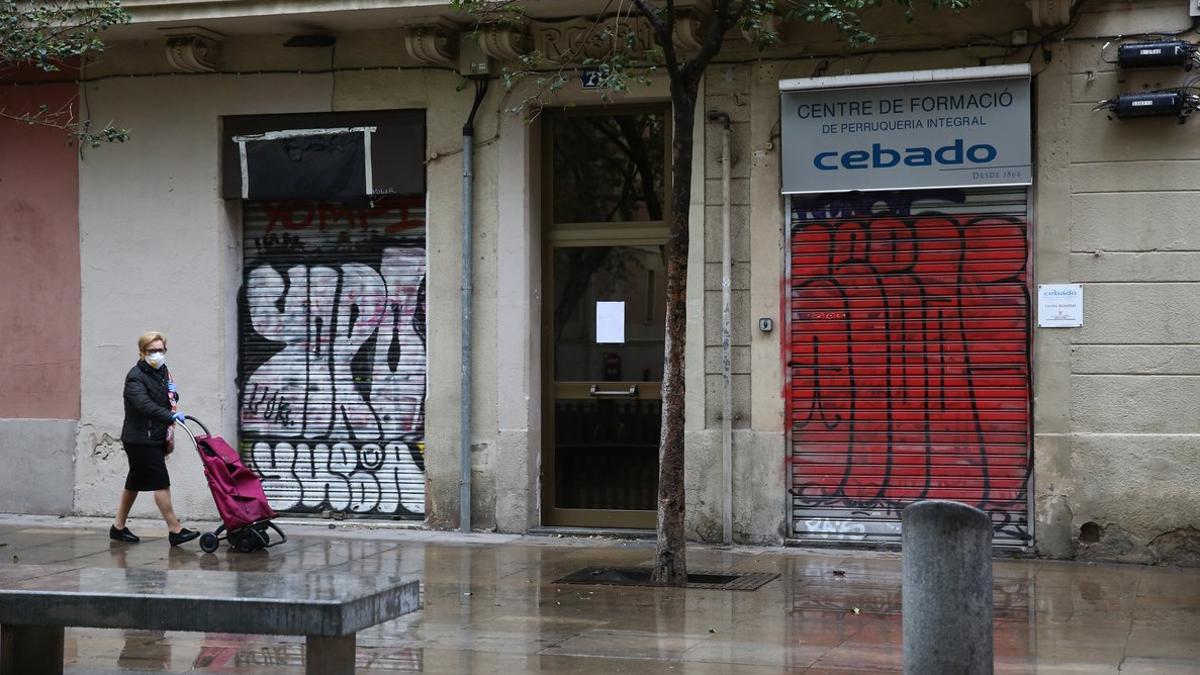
(1060, 305)
(928, 132)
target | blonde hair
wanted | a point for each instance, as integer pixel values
(148, 337)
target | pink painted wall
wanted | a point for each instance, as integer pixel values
(39, 260)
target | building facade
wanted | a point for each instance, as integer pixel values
(289, 211)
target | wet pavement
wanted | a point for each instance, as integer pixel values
(490, 606)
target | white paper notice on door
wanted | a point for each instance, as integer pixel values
(610, 323)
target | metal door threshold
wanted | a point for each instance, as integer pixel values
(606, 532)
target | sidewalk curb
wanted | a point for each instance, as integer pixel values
(405, 532)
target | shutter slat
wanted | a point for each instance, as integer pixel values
(332, 355)
(908, 360)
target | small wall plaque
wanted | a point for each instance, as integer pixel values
(1060, 305)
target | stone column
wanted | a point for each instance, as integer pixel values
(947, 602)
(31, 649)
(330, 655)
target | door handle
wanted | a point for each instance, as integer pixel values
(594, 390)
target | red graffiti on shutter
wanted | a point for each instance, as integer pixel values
(909, 361)
(393, 213)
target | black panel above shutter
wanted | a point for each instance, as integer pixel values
(324, 155)
(306, 164)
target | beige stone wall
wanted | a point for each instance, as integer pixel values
(1115, 209)
(1117, 439)
(161, 249)
(152, 210)
(154, 237)
(745, 84)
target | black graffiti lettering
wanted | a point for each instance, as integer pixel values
(909, 347)
(269, 405)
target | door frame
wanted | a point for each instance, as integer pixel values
(578, 235)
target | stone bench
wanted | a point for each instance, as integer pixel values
(38, 601)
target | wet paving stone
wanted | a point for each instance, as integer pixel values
(491, 606)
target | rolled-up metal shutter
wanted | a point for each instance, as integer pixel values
(332, 355)
(909, 371)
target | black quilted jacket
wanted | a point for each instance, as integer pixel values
(147, 408)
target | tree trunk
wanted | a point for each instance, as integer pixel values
(670, 563)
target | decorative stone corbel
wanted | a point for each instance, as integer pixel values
(771, 23)
(689, 28)
(432, 41)
(503, 43)
(1051, 13)
(193, 49)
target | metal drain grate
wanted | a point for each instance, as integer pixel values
(640, 576)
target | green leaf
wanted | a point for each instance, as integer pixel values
(49, 36)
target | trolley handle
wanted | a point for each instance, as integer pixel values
(189, 431)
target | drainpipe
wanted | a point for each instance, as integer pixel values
(468, 292)
(726, 334)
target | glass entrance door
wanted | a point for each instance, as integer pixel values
(603, 327)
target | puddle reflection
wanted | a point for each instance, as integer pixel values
(145, 650)
(253, 654)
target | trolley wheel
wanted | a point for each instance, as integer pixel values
(259, 537)
(209, 542)
(240, 542)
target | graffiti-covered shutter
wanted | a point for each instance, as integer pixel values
(332, 362)
(908, 359)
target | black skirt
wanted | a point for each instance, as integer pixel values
(147, 467)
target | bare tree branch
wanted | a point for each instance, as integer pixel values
(725, 16)
(63, 118)
(664, 32)
(651, 15)
(566, 62)
(739, 9)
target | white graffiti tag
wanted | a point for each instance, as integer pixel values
(829, 528)
(324, 384)
(366, 478)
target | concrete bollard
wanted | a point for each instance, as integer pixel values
(947, 592)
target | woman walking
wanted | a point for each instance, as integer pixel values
(150, 398)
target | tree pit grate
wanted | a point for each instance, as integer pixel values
(640, 576)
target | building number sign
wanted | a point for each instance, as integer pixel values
(590, 78)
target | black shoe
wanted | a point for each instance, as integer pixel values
(182, 537)
(122, 534)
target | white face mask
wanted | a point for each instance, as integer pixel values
(156, 360)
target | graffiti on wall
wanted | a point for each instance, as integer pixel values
(908, 358)
(333, 357)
